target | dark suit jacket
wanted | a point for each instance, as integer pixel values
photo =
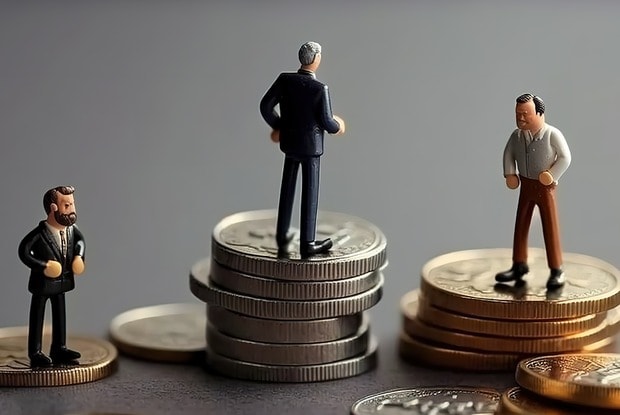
(40, 246)
(305, 112)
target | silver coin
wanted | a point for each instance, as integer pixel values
(435, 400)
(288, 354)
(283, 331)
(305, 373)
(290, 290)
(246, 242)
(201, 287)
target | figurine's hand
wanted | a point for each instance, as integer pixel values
(545, 178)
(342, 125)
(512, 181)
(53, 269)
(275, 136)
(78, 265)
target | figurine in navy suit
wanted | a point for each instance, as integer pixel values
(305, 113)
(54, 252)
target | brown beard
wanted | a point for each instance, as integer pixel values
(67, 219)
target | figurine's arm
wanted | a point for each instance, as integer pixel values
(49, 268)
(563, 156)
(79, 251)
(268, 105)
(332, 124)
(510, 164)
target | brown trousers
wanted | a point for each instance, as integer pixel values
(533, 193)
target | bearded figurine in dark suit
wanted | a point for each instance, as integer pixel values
(305, 113)
(54, 252)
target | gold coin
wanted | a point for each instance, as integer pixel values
(439, 355)
(518, 401)
(539, 345)
(465, 282)
(511, 328)
(164, 333)
(584, 379)
(99, 359)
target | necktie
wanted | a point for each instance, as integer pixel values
(63, 244)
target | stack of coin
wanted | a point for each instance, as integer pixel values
(274, 316)
(462, 319)
(567, 384)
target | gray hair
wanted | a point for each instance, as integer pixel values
(308, 51)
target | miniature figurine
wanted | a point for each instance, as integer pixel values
(540, 155)
(54, 252)
(305, 113)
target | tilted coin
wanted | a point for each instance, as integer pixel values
(495, 327)
(305, 373)
(434, 400)
(288, 354)
(428, 353)
(99, 360)
(241, 283)
(577, 341)
(518, 401)
(201, 287)
(246, 242)
(585, 379)
(465, 282)
(283, 331)
(166, 333)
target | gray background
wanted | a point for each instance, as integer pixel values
(151, 110)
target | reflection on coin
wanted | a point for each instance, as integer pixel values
(283, 331)
(437, 400)
(465, 282)
(202, 287)
(165, 333)
(98, 360)
(517, 401)
(246, 242)
(241, 283)
(585, 379)
(305, 373)
(288, 354)
(509, 328)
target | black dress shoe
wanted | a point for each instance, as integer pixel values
(40, 360)
(315, 247)
(64, 355)
(556, 279)
(518, 270)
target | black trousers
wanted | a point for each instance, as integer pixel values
(37, 314)
(310, 167)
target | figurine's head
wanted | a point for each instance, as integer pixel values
(310, 56)
(60, 206)
(530, 113)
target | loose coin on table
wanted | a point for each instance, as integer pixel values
(518, 401)
(584, 379)
(99, 360)
(246, 243)
(433, 400)
(165, 333)
(464, 282)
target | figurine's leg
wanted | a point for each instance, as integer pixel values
(309, 207)
(287, 197)
(35, 332)
(551, 233)
(59, 351)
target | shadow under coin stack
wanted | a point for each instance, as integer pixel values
(462, 319)
(283, 318)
